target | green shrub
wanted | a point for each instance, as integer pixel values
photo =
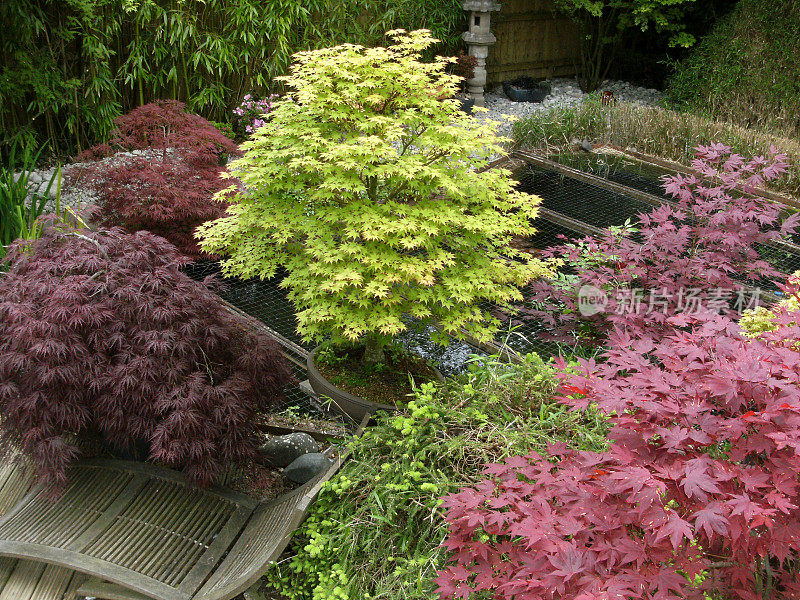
(365, 186)
(652, 130)
(603, 25)
(747, 70)
(366, 22)
(760, 319)
(376, 529)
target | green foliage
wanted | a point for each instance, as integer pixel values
(364, 186)
(559, 127)
(225, 129)
(760, 319)
(81, 63)
(366, 22)
(747, 70)
(56, 80)
(603, 22)
(69, 67)
(652, 130)
(19, 209)
(376, 529)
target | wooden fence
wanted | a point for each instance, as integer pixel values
(532, 39)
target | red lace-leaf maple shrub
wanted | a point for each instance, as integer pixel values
(102, 334)
(167, 189)
(168, 196)
(163, 125)
(701, 252)
(698, 491)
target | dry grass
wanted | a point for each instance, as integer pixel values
(656, 131)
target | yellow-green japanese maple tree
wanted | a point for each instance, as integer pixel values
(365, 185)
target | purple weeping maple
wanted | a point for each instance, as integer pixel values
(102, 334)
(164, 125)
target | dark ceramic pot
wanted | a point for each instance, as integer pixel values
(467, 104)
(526, 89)
(353, 406)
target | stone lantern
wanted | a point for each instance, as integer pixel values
(478, 39)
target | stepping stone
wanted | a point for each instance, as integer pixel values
(282, 450)
(308, 466)
(305, 385)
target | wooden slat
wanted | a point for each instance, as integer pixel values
(17, 482)
(169, 475)
(532, 39)
(20, 578)
(524, 15)
(97, 588)
(40, 520)
(108, 516)
(52, 584)
(75, 582)
(199, 573)
(23, 581)
(142, 532)
(7, 566)
(266, 536)
(28, 580)
(136, 525)
(91, 566)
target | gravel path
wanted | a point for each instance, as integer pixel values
(78, 197)
(564, 93)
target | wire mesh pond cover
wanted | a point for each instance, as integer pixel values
(631, 172)
(268, 302)
(583, 206)
(619, 169)
(581, 201)
(594, 206)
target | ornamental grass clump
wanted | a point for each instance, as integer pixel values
(366, 188)
(102, 336)
(376, 529)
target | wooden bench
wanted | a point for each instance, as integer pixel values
(142, 531)
(22, 579)
(28, 580)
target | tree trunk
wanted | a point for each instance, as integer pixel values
(373, 351)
